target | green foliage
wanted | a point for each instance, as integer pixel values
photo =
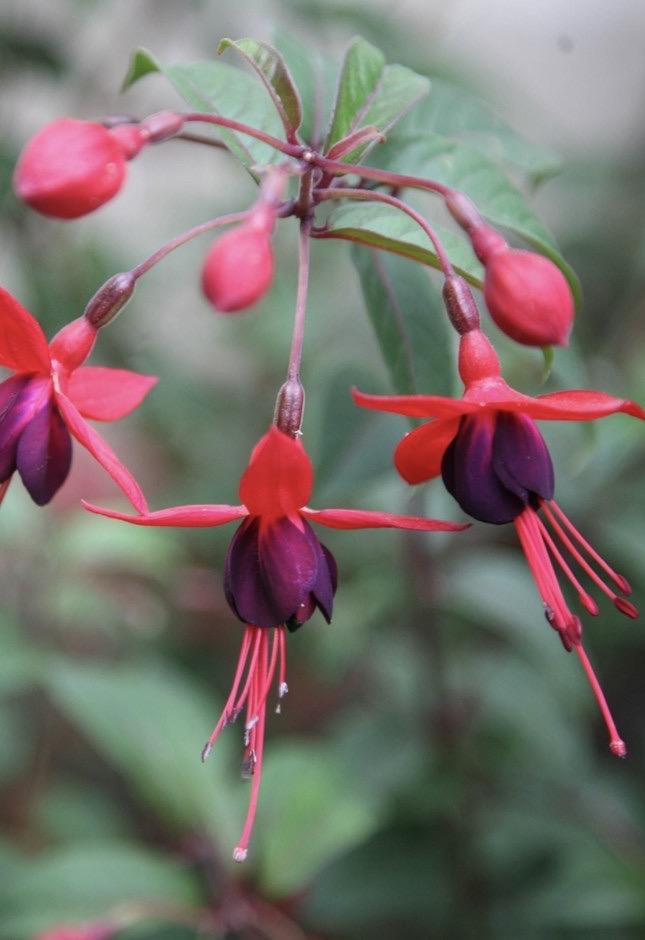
(406, 313)
(371, 94)
(273, 71)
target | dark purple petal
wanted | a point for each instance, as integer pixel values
(10, 425)
(326, 582)
(468, 473)
(44, 454)
(270, 570)
(521, 458)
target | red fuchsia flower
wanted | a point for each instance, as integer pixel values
(238, 268)
(48, 398)
(277, 574)
(69, 167)
(494, 461)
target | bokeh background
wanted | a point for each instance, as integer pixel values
(439, 769)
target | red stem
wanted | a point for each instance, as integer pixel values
(291, 150)
(293, 370)
(338, 168)
(186, 237)
(368, 195)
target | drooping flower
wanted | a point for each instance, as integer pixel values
(48, 398)
(494, 461)
(277, 574)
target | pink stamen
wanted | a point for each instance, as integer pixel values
(257, 636)
(621, 582)
(229, 713)
(256, 749)
(585, 599)
(616, 743)
(558, 614)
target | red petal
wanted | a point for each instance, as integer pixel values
(279, 477)
(23, 346)
(101, 451)
(579, 405)
(416, 406)
(364, 519)
(196, 516)
(108, 394)
(419, 454)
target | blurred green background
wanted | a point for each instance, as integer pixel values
(439, 769)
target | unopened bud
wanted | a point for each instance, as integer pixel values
(484, 239)
(528, 298)
(460, 304)
(238, 269)
(70, 168)
(289, 407)
(110, 299)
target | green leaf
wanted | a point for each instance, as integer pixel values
(315, 78)
(78, 883)
(151, 723)
(309, 814)
(409, 321)
(454, 112)
(382, 226)
(462, 167)
(371, 93)
(218, 88)
(273, 71)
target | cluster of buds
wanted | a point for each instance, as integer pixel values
(485, 445)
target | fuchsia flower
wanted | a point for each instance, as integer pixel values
(276, 574)
(495, 463)
(48, 398)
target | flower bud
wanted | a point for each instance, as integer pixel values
(528, 298)
(238, 268)
(70, 168)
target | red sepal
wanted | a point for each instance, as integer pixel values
(365, 519)
(579, 405)
(197, 516)
(419, 454)
(23, 346)
(101, 451)
(108, 394)
(279, 477)
(416, 406)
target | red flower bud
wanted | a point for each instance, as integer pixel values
(70, 168)
(238, 268)
(528, 298)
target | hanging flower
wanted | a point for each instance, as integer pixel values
(48, 398)
(277, 574)
(494, 461)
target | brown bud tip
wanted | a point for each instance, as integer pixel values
(289, 407)
(110, 299)
(460, 304)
